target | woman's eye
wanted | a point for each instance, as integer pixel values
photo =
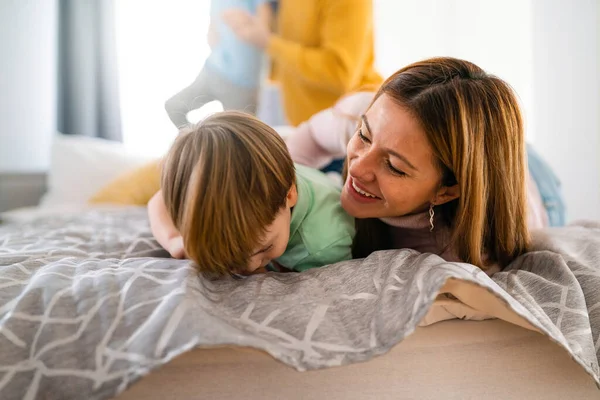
(363, 137)
(395, 171)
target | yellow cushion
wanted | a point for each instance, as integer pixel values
(134, 187)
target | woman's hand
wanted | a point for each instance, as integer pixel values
(247, 27)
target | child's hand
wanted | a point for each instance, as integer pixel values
(175, 248)
(247, 27)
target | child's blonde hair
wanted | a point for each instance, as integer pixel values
(223, 182)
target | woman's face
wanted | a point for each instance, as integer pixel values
(391, 167)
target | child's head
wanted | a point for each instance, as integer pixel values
(229, 185)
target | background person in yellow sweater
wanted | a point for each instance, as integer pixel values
(321, 50)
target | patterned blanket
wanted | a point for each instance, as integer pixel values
(89, 303)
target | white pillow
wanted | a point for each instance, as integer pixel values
(80, 166)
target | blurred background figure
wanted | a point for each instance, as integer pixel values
(231, 72)
(320, 50)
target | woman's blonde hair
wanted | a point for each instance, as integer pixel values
(223, 182)
(473, 123)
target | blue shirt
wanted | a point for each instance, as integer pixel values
(232, 58)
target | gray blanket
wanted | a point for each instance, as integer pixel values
(89, 304)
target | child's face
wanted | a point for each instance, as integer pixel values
(276, 237)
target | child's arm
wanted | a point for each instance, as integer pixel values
(162, 227)
(324, 137)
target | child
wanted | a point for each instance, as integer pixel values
(231, 72)
(233, 199)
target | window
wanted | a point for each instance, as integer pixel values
(161, 48)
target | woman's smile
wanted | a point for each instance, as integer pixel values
(359, 193)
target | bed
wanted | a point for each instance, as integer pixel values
(92, 308)
(451, 360)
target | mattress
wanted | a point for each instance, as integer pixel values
(452, 360)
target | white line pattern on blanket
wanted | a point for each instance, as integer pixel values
(89, 304)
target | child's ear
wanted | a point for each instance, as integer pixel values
(292, 197)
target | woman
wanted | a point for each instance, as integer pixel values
(437, 164)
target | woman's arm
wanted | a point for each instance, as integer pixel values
(324, 137)
(163, 228)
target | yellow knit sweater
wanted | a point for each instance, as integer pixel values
(323, 49)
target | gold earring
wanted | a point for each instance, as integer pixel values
(431, 214)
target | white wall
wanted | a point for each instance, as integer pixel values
(546, 49)
(567, 98)
(495, 35)
(27, 83)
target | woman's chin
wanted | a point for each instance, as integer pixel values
(354, 208)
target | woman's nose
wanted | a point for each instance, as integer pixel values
(362, 167)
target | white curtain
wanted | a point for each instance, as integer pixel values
(88, 96)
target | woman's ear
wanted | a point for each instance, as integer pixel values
(292, 197)
(446, 194)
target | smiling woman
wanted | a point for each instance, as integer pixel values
(438, 165)
(402, 187)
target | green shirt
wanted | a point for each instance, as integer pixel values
(321, 232)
